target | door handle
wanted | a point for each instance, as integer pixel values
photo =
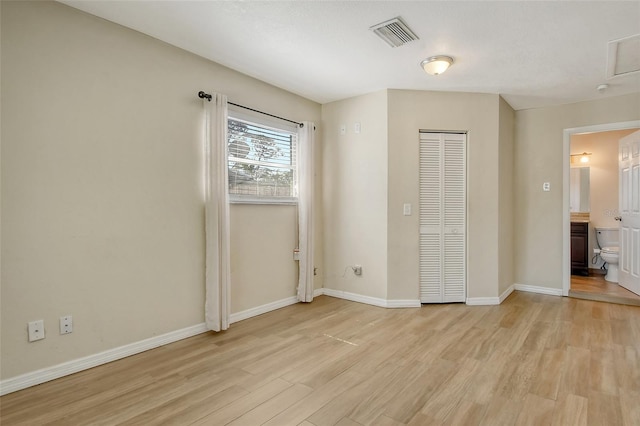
(618, 218)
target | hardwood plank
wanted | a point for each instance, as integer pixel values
(346, 421)
(502, 411)
(345, 404)
(630, 408)
(518, 374)
(448, 396)
(602, 369)
(466, 413)
(419, 390)
(272, 407)
(604, 409)
(575, 377)
(536, 411)
(304, 409)
(242, 405)
(193, 411)
(559, 335)
(547, 382)
(571, 410)
(627, 367)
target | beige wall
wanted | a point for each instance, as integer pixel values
(506, 197)
(356, 189)
(603, 180)
(254, 260)
(102, 210)
(538, 159)
(409, 112)
(355, 194)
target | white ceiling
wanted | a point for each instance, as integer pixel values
(533, 53)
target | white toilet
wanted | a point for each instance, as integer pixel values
(609, 247)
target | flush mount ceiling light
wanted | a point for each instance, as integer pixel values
(436, 65)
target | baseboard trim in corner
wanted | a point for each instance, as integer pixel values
(537, 289)
(482, 301)
(318, 292)
(263, 309)
(506, 293)
(43, 375)
(375, 301)
(355, 297)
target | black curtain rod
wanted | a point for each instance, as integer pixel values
(207, 96)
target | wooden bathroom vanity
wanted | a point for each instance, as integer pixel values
(580, 248)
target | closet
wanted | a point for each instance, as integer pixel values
(442, 217)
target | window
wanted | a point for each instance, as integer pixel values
(262, 163)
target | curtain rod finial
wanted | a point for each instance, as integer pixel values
(203, 95)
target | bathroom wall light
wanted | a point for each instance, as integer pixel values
(585, 157)
(436, 65)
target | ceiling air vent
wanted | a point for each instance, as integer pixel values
(624, 56)
(395, 32)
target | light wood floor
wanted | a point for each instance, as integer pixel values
(595, 287)
(534, 360)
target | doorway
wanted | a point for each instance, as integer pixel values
(589, 282)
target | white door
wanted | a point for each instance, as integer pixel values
(629, 166)
(442, 217)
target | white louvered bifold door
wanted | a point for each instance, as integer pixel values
(442, 217)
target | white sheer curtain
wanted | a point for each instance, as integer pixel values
(305, 210)
(217, 269)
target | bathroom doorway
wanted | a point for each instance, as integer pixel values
(591, 195)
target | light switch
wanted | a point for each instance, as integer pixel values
(406, 209)
(356, 128)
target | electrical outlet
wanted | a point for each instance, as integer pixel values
(66, 324)
(357, 269)
(36, 330)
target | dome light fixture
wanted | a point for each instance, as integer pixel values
(436, 65)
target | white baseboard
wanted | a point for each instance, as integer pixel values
(404, 303)
(66, 368)
(318, 292)
(537, 289)
(506, 293)
(355, 297)
(481, 301)
(263, 309)
(375, 301)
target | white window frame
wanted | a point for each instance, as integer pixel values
(261, 120)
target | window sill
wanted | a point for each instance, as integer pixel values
(234, 199)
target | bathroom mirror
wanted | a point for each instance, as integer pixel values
(579, 190)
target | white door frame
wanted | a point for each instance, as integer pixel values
(566, 215)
